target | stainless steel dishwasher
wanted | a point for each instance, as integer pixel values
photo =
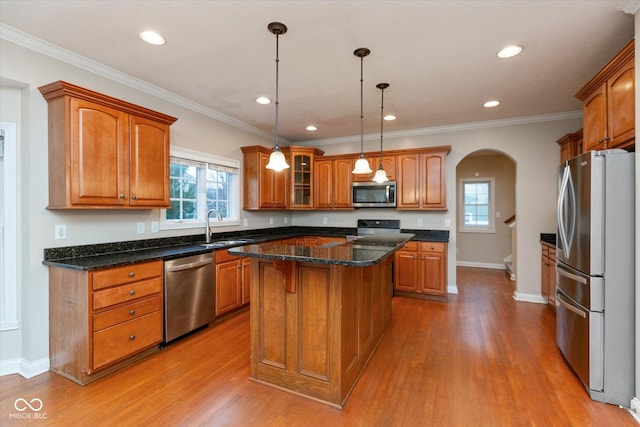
(189, 294)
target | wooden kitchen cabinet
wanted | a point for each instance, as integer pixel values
(609, 104)
(333, 179)
(102, 320)
(104, 152)
(301, 173)
(263, 189)
(570, 145)
(421, 180)
(388, 162)
(421, 270)
(548, 274)
(232, 282)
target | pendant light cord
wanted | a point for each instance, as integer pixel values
(361, 108)
(381, 124)
(277, 99)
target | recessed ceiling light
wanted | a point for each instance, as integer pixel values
(311, 128)
(153, 38)
(510, 51)
(263, 100)
(490, 104)
(390, 117)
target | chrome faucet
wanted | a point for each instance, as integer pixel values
(207, 228)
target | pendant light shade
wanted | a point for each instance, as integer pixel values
(277, 161)
(381, 175)
(362, 165)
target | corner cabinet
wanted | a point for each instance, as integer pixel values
(609, 104)
(102, 320)
(301, 173)
(263, 189)
(105, 153)
(421, 180)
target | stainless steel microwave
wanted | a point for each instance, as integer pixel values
(374, 195)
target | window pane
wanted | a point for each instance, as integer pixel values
(189, 210)
(174, 212)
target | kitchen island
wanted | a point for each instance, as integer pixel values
(318, 313)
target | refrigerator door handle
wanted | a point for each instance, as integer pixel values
(565, 273)
(570, 307)
(560, 211)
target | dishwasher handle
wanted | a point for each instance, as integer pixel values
(189, 266)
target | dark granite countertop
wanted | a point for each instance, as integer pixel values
(368, 250)
(91, 257)
(548, 238)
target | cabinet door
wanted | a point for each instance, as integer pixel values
(149, 171)
(228, 286)
(246, 280)
(433, 188)
(265, 187)
(302, 185)
(323, 179)
(279, 183)
(99, 155)
(342, 173)
(374, 162)
(406, 269)
(432, 269)
(544, 276)
(408, 192)
(621, 107)
(551, 278)
(595, 121)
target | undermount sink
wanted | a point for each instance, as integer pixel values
(223, 243)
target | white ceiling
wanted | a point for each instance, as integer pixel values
(439, 57)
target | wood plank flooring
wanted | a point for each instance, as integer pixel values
(480, 359)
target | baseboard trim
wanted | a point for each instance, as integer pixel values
(452, 289)
(535, 298)
(635, 409)
(481, 265)
(24, 367)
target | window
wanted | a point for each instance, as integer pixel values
(477, 199)
(199, 182)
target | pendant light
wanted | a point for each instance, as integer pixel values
(381, 175)
(277, 162)
(362, 165)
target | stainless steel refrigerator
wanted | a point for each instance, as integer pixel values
(595, 272)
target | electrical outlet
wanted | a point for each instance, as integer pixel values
(155, 226)
(246, 222)
(447, 222)
(286, 219)
(140, 228)
(419, 222)
(271, 220)
(325, 220)
(60, 232)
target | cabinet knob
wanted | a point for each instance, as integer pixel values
(132, 312)
(132, 337)
(132, 292)
(134, 197)
(132, 273)
(415, 257)
(606, 138)
(121, 196)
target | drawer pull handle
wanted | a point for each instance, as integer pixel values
(132, 312)
(132, 337)
(134, 197)
(132, 292)
(132, 273)
(121, 196)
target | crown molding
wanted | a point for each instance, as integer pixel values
(458, 127)
(44, 47)
(629, 6)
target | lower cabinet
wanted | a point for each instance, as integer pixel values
(421, 270)
(232, 282)
(548, 274)
(101, 320)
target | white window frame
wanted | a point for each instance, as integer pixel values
(464, 228)
(8, 227)
(234, 202)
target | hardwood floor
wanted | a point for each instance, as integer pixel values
(480, 359)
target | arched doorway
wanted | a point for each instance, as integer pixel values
(485, 205)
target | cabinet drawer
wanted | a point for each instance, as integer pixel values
(126, 274)
(129, 312)
(545, 250)
(224, 256)
(552, 254)
(410, 246)
(117, 342)
(432, 247)
(124, 293)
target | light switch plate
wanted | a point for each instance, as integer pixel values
(140, 228)
(447, 222)
(60, 232)
(155, 226)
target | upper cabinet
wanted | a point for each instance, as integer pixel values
(333, 179)
(388, 163)
(104, 152)
(421, 179)
(263, 189)
(609, 104)
(570, 145)
(301, 173)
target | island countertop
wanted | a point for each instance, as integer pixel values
(365, 251)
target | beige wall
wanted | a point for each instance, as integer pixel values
(488, 249)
